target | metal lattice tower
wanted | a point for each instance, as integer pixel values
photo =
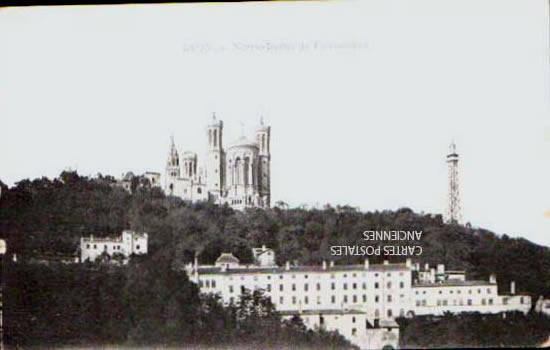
(453, 214)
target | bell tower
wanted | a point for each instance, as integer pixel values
(263, 137)
(172, 168)
(214, 157)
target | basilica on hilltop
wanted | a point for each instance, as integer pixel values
(237, 174)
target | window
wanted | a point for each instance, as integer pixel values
(469, 301)
(364, 298)
(483, 301)
(293, 300)
(354, 331)
(401, 285)
(137, 247)
(332, 286)
(280, 287)
(355, 298)
(318, 286)
(269, 287)
(376, 299)
(364, 285)
(87, 246)
(95, 246)
(505, 301)
(333, 299)
(353, 319)
(488, 290)
(293, 287)
(490, 301)
(207, 283)
(389, 298)
(318, 300)
(345, 298)
(306, 300)
(521, 300)
(389, 313)
(424, 302)
(355, 286)
(213, 283)
(230, 289)
(345, 286)
(376, 285)
(388, 285)
(242, 289)
(418, 303)
(305, 287)
(281, 300)
(200, 284)
(444, 302)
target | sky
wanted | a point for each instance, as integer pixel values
(363, 97)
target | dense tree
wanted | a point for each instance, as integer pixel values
(44, 216)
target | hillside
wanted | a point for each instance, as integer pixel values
(44, 216)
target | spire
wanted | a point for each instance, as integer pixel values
(213, 116)
(261, 120)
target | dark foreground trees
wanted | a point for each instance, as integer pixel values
(467, 330)
(143, 304)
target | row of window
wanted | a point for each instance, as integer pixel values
(458, 291)
(332, 276)
(306, 286)
(116, 247)
(460, 302)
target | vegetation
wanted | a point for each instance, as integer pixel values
(467, 330)
(44, 216)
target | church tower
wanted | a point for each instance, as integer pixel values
(172, 168)
(263, 137)
(214, 157)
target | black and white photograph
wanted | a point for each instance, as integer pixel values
(341, 174)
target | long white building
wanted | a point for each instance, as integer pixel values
(356, 299)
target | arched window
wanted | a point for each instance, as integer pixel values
(238, 171)
(215, 137)
(199, 191)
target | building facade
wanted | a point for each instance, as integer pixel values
(238, 174)
(128, 243)
(355, 299)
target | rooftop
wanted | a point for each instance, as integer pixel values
(310, 268)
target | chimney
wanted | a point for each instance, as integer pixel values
(432, 275)
(366, 264)
(386, 262)
(332, 263)
(492, 278)
(263, 248)
(324, 264)
(440, 268)
(417, 266)
(427, 267)
(287, 266)
(513, 287)
(408, 262)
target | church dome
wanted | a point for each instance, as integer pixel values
(243, 141)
